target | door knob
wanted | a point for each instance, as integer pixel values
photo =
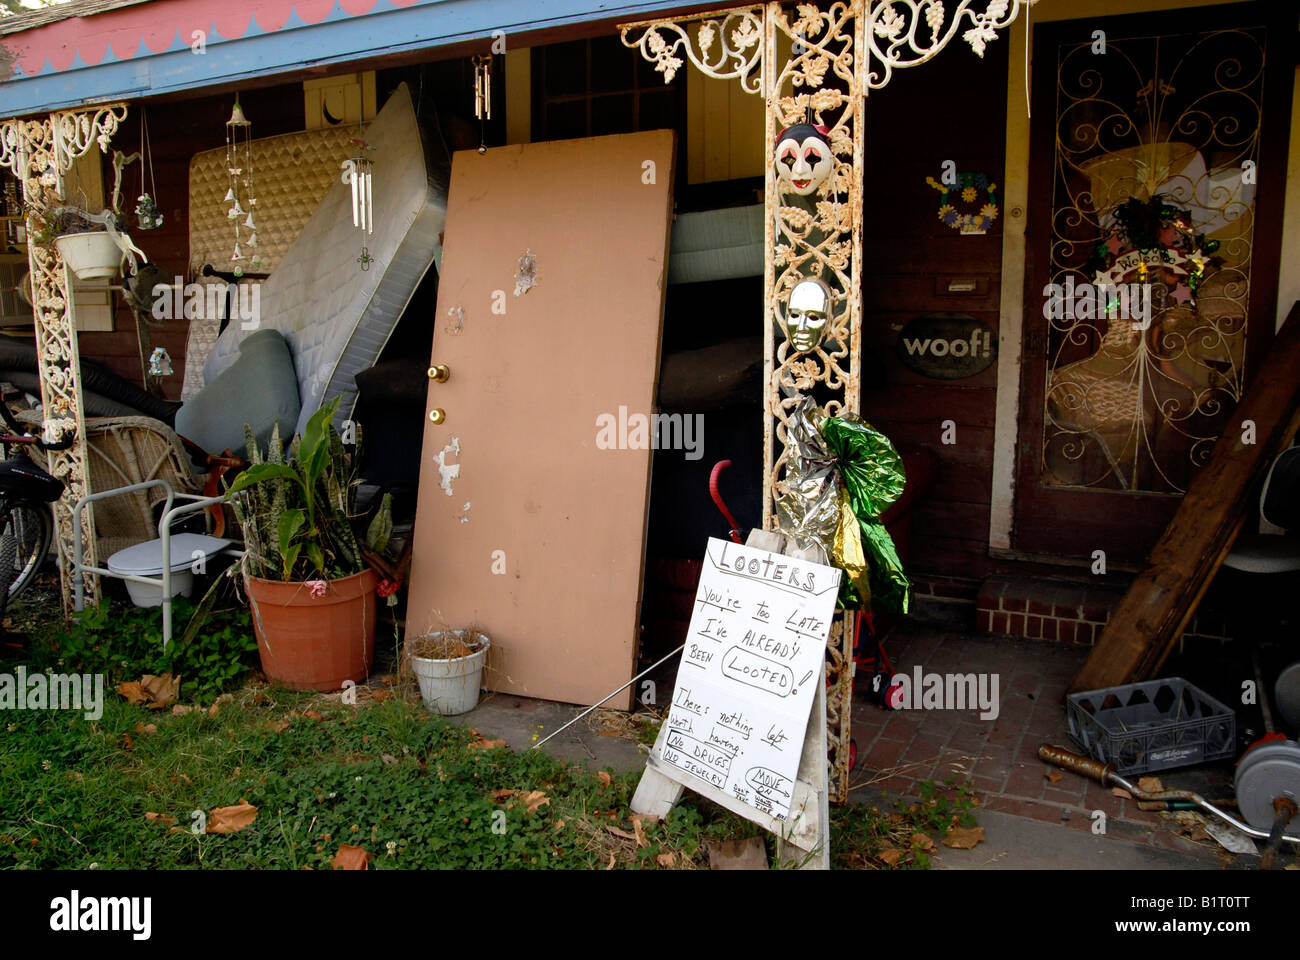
(439, 373)
(436, 415)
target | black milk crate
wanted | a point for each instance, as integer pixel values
(1155, 725)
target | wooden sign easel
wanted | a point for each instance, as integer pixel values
(805, 833)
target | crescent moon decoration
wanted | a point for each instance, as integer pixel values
(332, 120)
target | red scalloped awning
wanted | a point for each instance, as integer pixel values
(121, 34)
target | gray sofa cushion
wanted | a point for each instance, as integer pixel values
(258, 389)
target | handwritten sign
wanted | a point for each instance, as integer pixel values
(748, 674)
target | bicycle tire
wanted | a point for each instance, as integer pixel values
(27, 527)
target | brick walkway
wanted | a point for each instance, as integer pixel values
(898, 748)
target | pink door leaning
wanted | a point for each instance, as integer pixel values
(550, 308)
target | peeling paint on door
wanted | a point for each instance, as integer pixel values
(447, 472)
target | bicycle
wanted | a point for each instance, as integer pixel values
(26, 492)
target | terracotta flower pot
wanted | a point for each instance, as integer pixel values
(311, 642)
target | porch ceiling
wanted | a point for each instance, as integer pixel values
(103, 50)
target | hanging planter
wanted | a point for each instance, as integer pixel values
(90, 256)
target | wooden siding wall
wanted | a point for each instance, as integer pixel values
(952, 108)
(177, 131)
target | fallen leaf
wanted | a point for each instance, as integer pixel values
(639, 830)
(622, 833)
(159, 690)
(351, 858)
(1053, 777)
(379, 696)
(126, 741)
(1121, 792)
(313, 714)
(502, 794)
(559, 825)
(1150, 785)
(666, 859)
(181, 709)
(143, 727)
(179, 777)
(922, 841)
(533, 799)
(963, 838)
(603, 777)
(487, 744)
(231, 819)
(610, 865)
(166, 819)
(278, 726)
(214, 710)
(889, 856)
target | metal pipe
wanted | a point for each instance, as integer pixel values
(1104, 773)
(615, 693)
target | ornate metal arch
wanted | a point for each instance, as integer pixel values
(39, 153)
(838, 53)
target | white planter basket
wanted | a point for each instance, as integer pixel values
(90, 256)
(451, 687)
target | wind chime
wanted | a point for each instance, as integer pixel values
(358, 173)
(239, 165)
(482, 97)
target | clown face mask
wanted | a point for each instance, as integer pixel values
(803, 158)
(807, 313)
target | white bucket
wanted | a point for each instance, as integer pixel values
(451, 687)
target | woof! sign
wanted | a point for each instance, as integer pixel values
(947, 346)
(748, 675)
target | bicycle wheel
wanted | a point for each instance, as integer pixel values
(24, 541)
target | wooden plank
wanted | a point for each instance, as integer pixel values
(1163, 598)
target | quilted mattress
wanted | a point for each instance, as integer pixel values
(335, 316)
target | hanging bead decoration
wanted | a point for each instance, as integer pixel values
(358, 173)
(147, 214)
(239, 165)
(482, 97)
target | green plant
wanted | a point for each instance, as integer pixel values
(126, 642)
(297, 512)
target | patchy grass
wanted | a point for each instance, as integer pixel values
(868, 839)
(412, 789)
(385, 776)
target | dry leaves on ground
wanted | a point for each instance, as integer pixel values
(154, 692)
(922, 841)
(1150, 785)
(603, 777)
(145, 728)
(351, 858)
(963, 838)
(231, 819)
(1053, 777)
(163, 819)
(534, 799)
(485, 744)
(668, 859)
(889, 856)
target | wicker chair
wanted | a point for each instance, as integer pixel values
(122, 451)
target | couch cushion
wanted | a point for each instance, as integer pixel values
(258, 389)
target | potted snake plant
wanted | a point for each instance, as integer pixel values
(311, 592)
